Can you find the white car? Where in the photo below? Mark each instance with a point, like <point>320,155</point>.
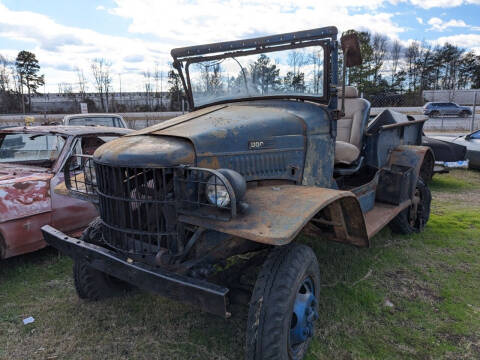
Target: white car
<point>102,119</point>
<point>472,142</point>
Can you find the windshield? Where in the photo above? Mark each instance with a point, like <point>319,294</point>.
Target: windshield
<point>38,149</point>
<point>99,120</point>
<point>292,72</point>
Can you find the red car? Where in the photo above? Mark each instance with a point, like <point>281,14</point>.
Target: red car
<point>31,163</point>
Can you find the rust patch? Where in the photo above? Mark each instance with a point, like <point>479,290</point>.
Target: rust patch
<point>210,162</point>
<point>24,197</point>
<point>22,186</point>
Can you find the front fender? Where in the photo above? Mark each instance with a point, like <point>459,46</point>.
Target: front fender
<point>276,214</point>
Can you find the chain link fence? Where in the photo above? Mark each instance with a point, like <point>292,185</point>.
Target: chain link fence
<point>464,118</point>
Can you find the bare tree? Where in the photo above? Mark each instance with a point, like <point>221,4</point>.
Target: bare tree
<point>82,82</point>
<point>316,59</point>
<point>395,54</point>
<point>101,73</point>
<point>158,76</point>
<point>296,60</point>
<point>148,87</point>
<point>65,88</point>
<point>4,73</point>
<point>411,57</point>
<point>380,48</point>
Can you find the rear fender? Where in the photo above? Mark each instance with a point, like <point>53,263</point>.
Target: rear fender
<point>410,156</point>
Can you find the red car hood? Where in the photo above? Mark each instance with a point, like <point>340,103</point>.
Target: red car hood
<point>24,191</point>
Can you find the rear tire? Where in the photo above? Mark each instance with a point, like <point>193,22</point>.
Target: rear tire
<point>283,307</point>
<point>427,169</point>
<point>90,283</point>
<point>434,113</point>
<point>415,217</point>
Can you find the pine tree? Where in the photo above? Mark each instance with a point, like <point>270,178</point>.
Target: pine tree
<point>28,68</point>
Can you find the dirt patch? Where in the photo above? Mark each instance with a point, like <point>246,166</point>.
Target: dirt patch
<point>465,197</point>
<point>407,286</point>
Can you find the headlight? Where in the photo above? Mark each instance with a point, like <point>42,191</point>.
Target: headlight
<point>217,194</point>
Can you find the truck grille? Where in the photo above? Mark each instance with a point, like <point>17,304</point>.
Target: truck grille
<point>137,208</point>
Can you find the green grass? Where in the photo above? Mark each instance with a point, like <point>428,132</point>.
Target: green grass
<point>432,279</point>
<point>456,181</point>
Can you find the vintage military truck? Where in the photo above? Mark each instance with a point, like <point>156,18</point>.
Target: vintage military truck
<point>267,152</point>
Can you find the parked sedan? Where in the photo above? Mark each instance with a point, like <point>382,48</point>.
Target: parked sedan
<point>435,109</point>
<point>31,163</point>
<point>472,142</point>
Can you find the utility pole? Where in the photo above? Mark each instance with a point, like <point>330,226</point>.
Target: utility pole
<point>21,93</point>
<point>472,125</point>
<point>120,81</point>
<point>44,103</point>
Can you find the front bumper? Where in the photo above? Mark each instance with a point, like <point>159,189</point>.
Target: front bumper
<point>208,297</point>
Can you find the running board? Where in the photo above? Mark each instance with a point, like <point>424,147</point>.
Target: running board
<point>381,215</point>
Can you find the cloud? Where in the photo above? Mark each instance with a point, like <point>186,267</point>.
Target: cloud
<point>133,58</point>
<point>440,25</point>
<point>60,48</point>
<point>428,4</point>
<point>214,20</point>
<point>469,41</point>
<point>155,28</point>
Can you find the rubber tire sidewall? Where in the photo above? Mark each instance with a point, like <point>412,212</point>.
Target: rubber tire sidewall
<point>274,294</point>
<point>427,168</point>
<point>401,224</point>
<point>92,284</point>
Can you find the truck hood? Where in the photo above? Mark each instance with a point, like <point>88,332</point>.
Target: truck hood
<point>216,130</point>
<point>23,193</point>
<point>10,172</point>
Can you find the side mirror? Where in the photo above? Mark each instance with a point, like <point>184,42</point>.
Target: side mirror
<point>468,137</point>
<point>351,48</point>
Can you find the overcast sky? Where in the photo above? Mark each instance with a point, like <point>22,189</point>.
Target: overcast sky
<point>136,34</point>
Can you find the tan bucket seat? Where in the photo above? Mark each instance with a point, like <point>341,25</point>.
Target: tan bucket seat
<point>351,127</point>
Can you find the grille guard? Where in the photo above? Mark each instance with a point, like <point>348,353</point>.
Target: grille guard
<point>189,187</point>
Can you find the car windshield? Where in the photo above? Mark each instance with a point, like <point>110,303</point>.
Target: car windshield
<point>37,149</point>
<point>475,135</point>
<point>290,73</point>
<point>97,120</point>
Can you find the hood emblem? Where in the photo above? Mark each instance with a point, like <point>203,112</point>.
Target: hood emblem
<point>260,144</point>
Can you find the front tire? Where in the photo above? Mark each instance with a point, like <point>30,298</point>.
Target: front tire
<point>283,307</point>
<point>90,283</point>
<point>415,217</point>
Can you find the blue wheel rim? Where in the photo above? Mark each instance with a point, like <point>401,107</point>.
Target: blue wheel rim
<point>305,313</point>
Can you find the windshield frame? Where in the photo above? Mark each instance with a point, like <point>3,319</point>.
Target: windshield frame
<point>324,37</point>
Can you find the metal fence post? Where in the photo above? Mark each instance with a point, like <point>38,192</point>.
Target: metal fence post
<point>472,125</point>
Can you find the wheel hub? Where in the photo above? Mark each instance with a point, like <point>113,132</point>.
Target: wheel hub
<point>305,313</point>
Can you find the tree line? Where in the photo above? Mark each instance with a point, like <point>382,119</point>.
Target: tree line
<point>390,68</point>
<point>387,68</point>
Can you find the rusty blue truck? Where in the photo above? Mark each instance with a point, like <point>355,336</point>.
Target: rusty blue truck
<point>275,144</point>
